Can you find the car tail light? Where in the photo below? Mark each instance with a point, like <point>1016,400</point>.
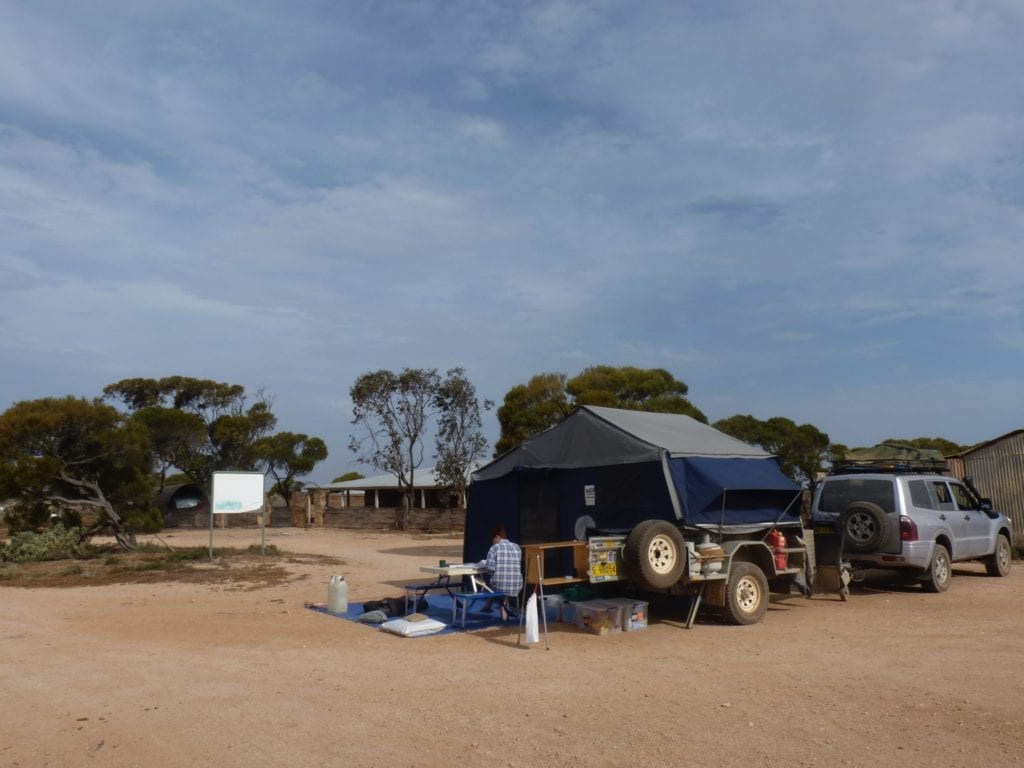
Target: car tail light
<point>908,529</point>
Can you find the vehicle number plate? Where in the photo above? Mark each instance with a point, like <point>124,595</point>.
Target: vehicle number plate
<point>824,529</point>
<point>604,570</point>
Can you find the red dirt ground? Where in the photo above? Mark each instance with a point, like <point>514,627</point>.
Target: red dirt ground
<point>236,674</point>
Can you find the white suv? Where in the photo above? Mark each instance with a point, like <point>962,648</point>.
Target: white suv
<point>911,521</point>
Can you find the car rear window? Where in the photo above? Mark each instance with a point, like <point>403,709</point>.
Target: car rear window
<point>837,495</point>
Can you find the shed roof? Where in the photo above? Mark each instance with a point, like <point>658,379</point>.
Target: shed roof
<point>425,477</point>
<point>987,443</point>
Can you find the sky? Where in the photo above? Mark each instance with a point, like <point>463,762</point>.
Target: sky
<point>809,210</point>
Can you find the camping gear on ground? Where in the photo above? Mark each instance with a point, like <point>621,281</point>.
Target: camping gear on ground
<point>393,606</point>
<point>553,607</point>
<point>599,617</point>
<point>634,612</point>
<point>532,621</point>
<point>472,573</point>
<point>413,625</point>
<point>337,594</point>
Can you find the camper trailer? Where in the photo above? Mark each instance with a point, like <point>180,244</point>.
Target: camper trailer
<point>661,500</point>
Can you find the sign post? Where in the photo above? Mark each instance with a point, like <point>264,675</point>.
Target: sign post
<point>235,493</point>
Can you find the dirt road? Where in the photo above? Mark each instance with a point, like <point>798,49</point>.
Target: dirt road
<point>174,674</point>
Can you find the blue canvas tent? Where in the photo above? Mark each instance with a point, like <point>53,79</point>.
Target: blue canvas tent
<point>607,469</point>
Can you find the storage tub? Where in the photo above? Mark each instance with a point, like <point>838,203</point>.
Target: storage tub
<point>634,613</point>
<point>599,617</point>
<point>553,607</point>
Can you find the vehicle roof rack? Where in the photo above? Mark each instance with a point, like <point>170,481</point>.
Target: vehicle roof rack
<point>890,466</point>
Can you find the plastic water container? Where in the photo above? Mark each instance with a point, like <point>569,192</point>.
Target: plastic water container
<point>337,594</point>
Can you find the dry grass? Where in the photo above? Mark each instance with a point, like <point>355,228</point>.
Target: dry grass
<point>100,566</point>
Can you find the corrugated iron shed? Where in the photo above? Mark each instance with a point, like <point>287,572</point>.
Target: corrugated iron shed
<point>997,469</point>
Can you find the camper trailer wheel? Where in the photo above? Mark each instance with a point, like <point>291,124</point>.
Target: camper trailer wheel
<point>654,554</point>
<point>746,594</point>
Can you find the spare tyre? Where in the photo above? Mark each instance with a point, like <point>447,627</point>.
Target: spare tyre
<point>865,527</point>
<point>654,554</point>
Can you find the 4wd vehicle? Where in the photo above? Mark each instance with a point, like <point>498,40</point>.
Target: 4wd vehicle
<point>908,516</point>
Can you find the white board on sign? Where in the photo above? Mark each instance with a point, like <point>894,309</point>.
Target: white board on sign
<point>236,492</point>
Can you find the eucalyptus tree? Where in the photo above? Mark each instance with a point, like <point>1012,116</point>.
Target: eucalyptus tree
<point>394,414</point>
<point>547,398</point>
<point>64,457</point>
<point>199,426</point>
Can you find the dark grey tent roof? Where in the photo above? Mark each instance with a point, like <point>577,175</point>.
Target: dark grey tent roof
<point>596,436</point>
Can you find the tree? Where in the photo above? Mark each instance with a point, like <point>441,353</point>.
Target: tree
<point>801,450</point>
<point>549,397</point>
<point>286,456</point>
<point>531,408</point>
<point>395,412</point>
<point>61,456</point>
<point>635,389</point>
<point>392,412</point>
<point>459,440</point>
<point>198,425</point>
<point>348,476</point>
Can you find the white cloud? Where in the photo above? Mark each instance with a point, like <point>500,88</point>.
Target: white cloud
<point>781,204</point>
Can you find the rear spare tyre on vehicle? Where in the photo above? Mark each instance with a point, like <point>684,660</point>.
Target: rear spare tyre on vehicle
<point>746,594</point>
<point>654,554</point>
<point>865,527</point>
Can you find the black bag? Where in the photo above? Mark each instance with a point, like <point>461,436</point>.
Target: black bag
<point>392,606</point>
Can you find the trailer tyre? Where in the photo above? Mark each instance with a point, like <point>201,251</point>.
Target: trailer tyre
<point>746,594</point>
<point>654,554</point>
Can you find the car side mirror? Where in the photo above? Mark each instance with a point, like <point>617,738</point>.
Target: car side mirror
<point>985,505</point>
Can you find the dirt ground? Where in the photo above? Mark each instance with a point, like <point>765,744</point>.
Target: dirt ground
<point>200,674</point>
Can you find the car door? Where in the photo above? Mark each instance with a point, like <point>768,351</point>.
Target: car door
<point>977,539</point>
<point>931,506</point>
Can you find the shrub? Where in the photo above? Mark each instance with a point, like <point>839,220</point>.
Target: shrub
<point>269,549</point>
<point>56,543</point>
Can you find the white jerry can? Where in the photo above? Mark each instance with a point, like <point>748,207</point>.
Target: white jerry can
<point>337,594</point>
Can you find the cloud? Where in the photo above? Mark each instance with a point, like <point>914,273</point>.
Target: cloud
<point>782,205</point>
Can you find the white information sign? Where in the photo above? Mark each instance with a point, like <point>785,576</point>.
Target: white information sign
<point>235,492</point>
<point>589,495</point>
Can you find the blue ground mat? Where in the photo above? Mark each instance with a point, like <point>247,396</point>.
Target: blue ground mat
<point>439,606</point>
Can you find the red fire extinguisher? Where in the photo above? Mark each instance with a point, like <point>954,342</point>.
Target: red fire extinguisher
<point>776,539</point>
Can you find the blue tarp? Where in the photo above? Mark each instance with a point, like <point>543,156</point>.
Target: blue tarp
<point>734,491</point>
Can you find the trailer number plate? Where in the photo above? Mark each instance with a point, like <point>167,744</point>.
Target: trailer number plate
<point>604,570</point>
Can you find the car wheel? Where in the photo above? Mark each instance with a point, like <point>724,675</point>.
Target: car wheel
<point>865,527</point>
<point>940,572</point>
<point>654,554</point>
<point>746,594</point>
<point>999,563</point>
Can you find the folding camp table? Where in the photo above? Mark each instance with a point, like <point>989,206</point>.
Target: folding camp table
<point>445,574</point>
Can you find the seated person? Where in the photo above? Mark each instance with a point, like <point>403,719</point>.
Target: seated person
<point>504,568</point>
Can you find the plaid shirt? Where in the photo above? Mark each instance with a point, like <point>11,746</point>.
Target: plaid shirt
<point>504,564</point>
